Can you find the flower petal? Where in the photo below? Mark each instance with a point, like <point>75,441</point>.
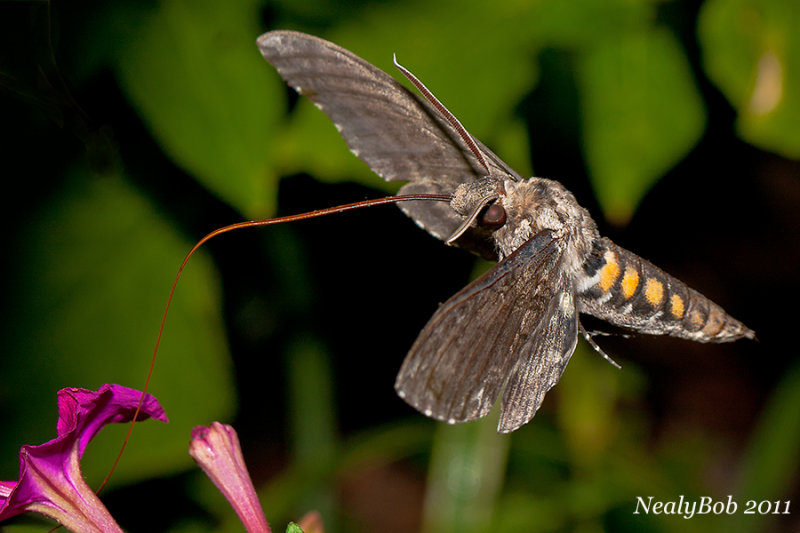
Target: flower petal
<point>86,412</point>
<point>216,449</point>
<point>50,481</point>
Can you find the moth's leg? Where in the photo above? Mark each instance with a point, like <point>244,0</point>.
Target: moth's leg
<point>589,336</point>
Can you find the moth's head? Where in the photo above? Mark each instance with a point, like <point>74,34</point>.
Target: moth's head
<point>476,200</point>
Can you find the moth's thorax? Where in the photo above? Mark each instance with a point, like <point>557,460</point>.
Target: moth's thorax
<point>541,204</point>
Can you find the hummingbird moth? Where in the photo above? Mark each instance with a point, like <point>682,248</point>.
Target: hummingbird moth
<point>512,331</point>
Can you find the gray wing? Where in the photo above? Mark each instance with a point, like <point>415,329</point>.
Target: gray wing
<point>398,134</point>
<point>500,332</point>
<point>545,357</point>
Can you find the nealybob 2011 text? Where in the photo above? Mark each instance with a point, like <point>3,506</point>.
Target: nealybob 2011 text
<point>706,505</point>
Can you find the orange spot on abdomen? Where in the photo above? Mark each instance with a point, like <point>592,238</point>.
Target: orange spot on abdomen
<point>654,291</point>
<point>629,282</point>
<point>609,274</point>
<point>677,307</point>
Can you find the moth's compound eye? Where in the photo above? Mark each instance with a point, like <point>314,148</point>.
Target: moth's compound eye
<point>493,217</point>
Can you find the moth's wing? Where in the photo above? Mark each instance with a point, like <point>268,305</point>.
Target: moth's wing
<point>480,340</point>
<point>545,356</point>
<point>397,133</point>
<point>394,131</point>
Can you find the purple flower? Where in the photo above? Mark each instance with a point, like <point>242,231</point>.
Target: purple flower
<point>50,480</point>
<point>216,449</point>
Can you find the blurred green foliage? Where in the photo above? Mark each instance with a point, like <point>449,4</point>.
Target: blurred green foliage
<point>190,72</point>
<point>750,50</point>
<point>94,256</point>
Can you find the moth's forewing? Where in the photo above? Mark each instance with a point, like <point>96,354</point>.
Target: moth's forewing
<point>398,134</point>
<point>472,345</point>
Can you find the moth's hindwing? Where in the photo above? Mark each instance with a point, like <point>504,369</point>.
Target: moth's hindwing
<point>486,336</point>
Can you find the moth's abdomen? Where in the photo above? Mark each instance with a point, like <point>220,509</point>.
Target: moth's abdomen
<point>622,288</point>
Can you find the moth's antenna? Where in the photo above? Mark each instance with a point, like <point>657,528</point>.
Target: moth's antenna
<point>462,132</point>
<point>242,225</point>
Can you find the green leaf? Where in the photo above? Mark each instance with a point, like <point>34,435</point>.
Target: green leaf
<point>92,274</point>
<point>641,115</point>
<point>750,50</point>
<point>581,23</point>
<point>293,528</point>
<point>196,77</point>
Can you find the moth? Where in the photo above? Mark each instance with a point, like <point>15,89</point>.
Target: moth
<point>512,331</point>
